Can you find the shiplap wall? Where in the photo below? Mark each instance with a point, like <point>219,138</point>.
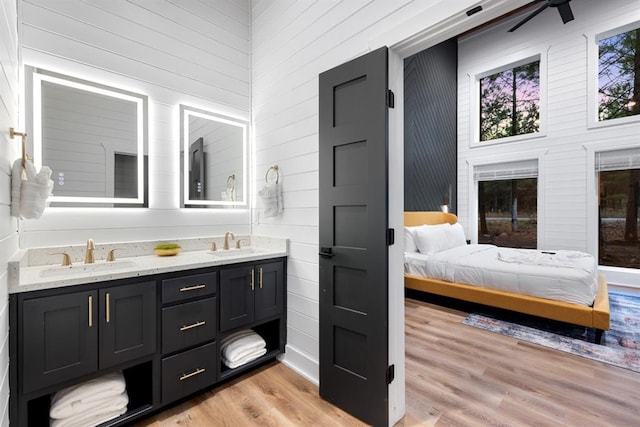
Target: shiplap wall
<point>176,52</point>
<point>9,150</point>
<point>564,169</point>
<point>294,41</point>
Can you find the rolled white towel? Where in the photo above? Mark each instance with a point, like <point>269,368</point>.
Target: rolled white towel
<point>67,401</point>
<point>246,358</point>
<point>109,409</point>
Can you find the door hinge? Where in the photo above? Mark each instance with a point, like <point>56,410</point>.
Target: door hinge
<point>391,236</point>
<point>391,373</point>
<point>391,103</point>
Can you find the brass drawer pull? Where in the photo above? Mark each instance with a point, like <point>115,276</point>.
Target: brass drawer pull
<point>252,280</point>
<point>90,311</point>
<point>194,373</point>
<point>108,308</point>
<point>260,277</point>
<point>193,325</point>
<point>192,288</point>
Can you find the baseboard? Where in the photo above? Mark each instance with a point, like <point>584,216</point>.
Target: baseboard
<point>301,363</point>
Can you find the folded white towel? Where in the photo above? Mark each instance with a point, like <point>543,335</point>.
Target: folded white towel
<point>245,359</point>
<point>237,348</point>
<point>29,190</point>
<point>111,408</point>
<point>271,195</point>
<point>71,400</point>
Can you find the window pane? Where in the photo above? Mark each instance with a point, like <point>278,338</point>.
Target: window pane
<point>619,75</point>
<point>618,231</point>
<point>510,102</point>
<point>508,213</point>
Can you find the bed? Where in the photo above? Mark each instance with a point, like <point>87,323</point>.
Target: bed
<point>582,312</point>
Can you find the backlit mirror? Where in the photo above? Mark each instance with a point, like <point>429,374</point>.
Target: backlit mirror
<point>92,136</point>
<point>214,153</point>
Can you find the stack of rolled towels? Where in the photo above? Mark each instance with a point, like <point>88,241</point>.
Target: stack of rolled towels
<point>90,403</point>
<point>242,347</point>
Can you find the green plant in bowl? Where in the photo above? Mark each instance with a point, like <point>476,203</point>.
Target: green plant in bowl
<point>167,249</point>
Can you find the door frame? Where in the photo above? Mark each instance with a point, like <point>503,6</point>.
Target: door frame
<point>404,40</point>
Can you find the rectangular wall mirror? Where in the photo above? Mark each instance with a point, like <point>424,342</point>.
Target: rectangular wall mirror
<point>92,136</point>
<point>214,159</point>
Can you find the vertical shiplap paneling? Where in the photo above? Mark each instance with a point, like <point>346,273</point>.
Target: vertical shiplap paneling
<point>9,149</point>
<point>294,41</point>
<point>565,173</point>
<point>175,52</point>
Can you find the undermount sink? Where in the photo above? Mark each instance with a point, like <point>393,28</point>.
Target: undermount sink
<point>230,253</point>
<point>101,267</point>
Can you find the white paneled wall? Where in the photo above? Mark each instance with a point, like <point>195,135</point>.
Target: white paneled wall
<point>9,150</point>
<point>565,134</point>
<point>188,51</point>
<point>294,41</point>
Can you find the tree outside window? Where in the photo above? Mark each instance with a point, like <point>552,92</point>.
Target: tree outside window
<point>508,213</point>
<point>510,102</point>
<point>618,212</point>
<point>619,75</point>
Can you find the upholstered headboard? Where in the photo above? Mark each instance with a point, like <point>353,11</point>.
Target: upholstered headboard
<point>412,219</point>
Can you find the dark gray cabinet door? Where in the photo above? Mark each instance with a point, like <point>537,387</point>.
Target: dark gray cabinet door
<point>269,298</point>
<point>236,297</point>
<point>127,323</point>
<point>353,237</point>
<point>59,340</point>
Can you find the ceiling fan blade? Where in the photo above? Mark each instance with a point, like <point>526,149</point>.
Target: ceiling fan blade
<point>565,12</point>
<point>528,18</point>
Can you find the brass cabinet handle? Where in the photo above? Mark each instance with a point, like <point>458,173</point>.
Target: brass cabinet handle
<point>108,307</point>
<point>193,325</point>
<point>260,277</point>
<point>194,373</point>
<point>90,311</point>
<point>192,288</point>
<point>252,280</point>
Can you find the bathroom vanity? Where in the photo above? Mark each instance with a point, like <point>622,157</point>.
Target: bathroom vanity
<point>159,320</point>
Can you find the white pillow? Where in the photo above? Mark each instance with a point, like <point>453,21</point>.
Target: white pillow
<point>431,238</point>
<point>455,236</point>
<point>409,241</point>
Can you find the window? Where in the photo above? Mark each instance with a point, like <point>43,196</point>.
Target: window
<point>510,102</point>
<point>508,204</point>
<point>619,75</point>
<point>619,190</point>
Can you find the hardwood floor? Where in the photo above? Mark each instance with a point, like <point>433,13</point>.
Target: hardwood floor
<point>456,375</point>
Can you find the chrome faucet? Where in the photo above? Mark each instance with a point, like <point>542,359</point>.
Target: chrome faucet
<point>88,257</point>
<point>226,240</point>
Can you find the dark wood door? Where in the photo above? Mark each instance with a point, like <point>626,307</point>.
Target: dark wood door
<point>60,339</point>
<point>127,323</point>
<point>237,286</point>
<point>269,289</point>
<point>196,170</point>
<point>353,237</point>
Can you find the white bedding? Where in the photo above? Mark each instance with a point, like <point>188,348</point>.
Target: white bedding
<point>567,276</point>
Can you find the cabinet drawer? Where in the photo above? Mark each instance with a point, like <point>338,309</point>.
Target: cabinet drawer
<point>188,324</point>
<point>187,287</point>
<point>188,372</point>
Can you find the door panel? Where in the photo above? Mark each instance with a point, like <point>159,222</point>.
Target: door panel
<point>353,237</point>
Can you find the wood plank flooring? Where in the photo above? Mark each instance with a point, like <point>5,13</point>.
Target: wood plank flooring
<point>457,375</point>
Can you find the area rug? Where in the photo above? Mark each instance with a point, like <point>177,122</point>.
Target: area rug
<point>620,345</point>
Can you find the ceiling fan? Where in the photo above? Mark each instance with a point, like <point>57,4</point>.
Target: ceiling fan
<point>563,8</point>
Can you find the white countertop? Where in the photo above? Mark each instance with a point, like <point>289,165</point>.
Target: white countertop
<point>28,270</point>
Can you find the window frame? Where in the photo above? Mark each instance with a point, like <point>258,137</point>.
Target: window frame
<point>593,85</point>
<point>524,57</point>
<point>537,155</point>
<point>625,275</point>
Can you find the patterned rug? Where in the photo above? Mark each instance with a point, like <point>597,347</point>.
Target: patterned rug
<point>621,344</point>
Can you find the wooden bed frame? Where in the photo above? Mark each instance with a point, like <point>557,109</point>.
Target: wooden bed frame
<point>596,316</point>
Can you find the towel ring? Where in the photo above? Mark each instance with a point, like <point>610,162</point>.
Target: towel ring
<point>275,169</point>
<point>231,179</point>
